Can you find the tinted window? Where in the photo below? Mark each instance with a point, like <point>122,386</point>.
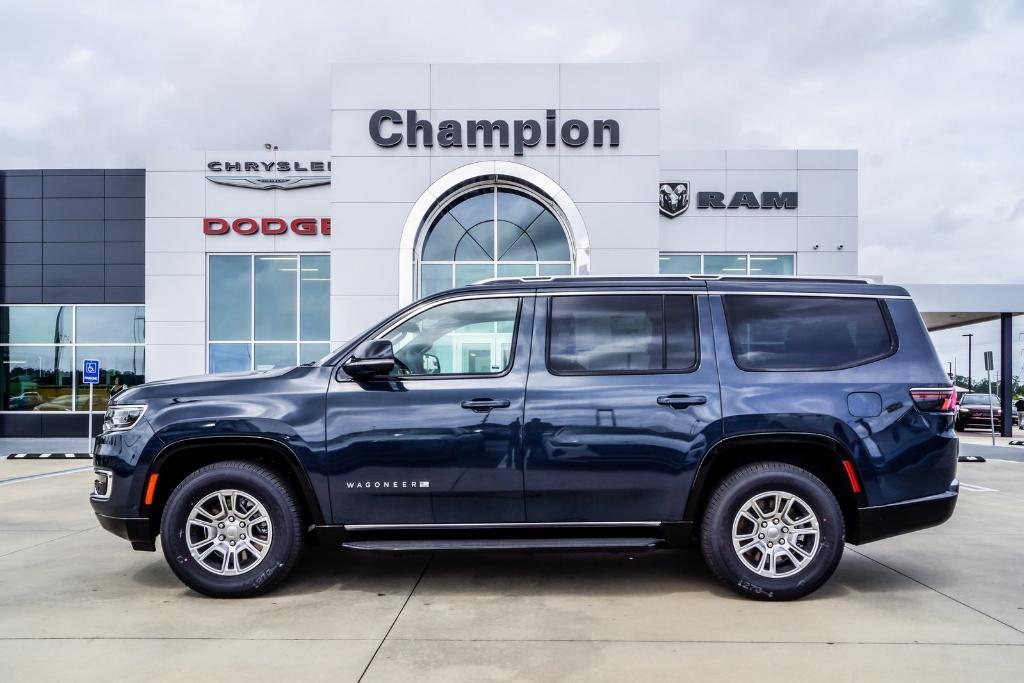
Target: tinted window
<point>805,333</point>
<point>469,337</point>
<point>629,333</point>
<point>979,400</point>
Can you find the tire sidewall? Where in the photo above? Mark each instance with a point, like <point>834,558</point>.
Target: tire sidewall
<point>196,487</point>
<point>830,537</point>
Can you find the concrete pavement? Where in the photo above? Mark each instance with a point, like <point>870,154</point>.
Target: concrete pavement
<point>77,604</point>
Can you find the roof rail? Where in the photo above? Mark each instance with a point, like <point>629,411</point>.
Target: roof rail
<point>556,278</point>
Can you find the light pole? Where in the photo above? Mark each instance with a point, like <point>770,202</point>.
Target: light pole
<point>970,338</point>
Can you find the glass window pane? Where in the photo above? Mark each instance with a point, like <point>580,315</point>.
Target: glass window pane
<point>442,239</point>
<point>111,324</point>
<point>516,270</point>
<point>36,378</point>
<point>435,277</point>
<point>514,244</point>
<point>518,209</point>
<point>275,297</point>
<point>555,269</point>
<point>230,358</point>
<point>35,324</point>
<point>725,264</point>
<point>680,332</point>
<point>461,337</point>
<point>470,273</point>
<point>120,367</point>
<point>311,352</point>
<point>269,356</point>
<point>774,264</point>
<point>805,333</point>
<point>474,209</point>
<point>230,298</point>
<point>477,244</point>
<point>315,297</point>
<point>605,334</point>
<point>549,238</point>
<point>679,264</point>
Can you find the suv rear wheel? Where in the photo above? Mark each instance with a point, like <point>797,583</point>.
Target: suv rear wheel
<point>772,531</point>
<point>232,529</point>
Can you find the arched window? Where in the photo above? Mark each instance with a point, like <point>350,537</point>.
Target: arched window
<point>495,231</point>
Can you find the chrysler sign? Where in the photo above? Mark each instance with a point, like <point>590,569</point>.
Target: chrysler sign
<point>271,175</point>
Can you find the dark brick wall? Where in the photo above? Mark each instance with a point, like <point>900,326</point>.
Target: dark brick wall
<point>72,236</point>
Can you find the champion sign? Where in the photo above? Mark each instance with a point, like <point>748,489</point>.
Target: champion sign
<point>267,226</point>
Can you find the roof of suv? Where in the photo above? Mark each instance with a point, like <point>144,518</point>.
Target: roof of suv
<point>710,283</point>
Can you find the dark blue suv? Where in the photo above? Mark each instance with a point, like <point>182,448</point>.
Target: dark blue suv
<point>767,420</point>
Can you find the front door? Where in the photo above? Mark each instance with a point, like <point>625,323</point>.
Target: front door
<point>623,402</point>
<point>439,440</point>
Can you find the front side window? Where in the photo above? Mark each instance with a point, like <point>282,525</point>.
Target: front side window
<point>806,333</point>
<point>469,337</point>
<point>268,310</point>
<point>610,334</point>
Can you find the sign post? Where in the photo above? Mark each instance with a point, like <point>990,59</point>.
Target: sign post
<point>90,376</point>
<point>991,402</point>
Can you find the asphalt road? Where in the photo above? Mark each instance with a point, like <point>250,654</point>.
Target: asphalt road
<point>77,604</point>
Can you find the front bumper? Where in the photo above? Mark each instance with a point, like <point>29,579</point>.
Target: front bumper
<point>883,521</point>
<point>134,529</point>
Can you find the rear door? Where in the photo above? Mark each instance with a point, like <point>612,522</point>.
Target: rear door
<point>621,405</point>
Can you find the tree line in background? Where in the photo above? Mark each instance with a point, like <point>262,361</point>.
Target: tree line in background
<point>981,386</point>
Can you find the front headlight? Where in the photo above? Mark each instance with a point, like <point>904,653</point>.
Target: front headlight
<point>121,418</point>
<point>964,411</point>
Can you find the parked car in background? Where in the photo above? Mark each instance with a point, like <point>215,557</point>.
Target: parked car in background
<point>978,411</point>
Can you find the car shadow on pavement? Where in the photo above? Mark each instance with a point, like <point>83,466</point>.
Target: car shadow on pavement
<point>664,572</point>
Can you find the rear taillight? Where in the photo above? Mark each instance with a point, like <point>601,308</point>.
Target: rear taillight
<point>940,400</point>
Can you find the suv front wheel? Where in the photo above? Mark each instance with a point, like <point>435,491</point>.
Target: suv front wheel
<point>772,531</point>
<point>232,529</point>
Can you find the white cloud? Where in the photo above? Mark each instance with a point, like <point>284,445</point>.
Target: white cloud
<point>927,91</point>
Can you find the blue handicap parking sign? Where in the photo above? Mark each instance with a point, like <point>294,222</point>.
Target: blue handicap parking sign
<point>90,371</point>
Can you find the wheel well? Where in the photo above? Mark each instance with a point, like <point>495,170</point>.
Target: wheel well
<point>177,462</point>
<point>824,459</point>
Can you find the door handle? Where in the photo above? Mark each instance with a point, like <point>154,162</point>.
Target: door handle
<point>482,405</point>
<point>681,401</point>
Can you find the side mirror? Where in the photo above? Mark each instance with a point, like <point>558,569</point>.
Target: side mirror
<point>371,359</point>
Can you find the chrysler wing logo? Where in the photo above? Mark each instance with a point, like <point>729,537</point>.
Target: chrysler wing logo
<point>673,198</point>
<point>271,183</point>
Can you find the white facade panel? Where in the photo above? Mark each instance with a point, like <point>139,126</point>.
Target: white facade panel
<point>697,234</point>
<point>379,179</point>
<point>623,261</point>
<point>167,361</point>
<point>174,234</point>
<point>494,86</point>
<point>608,179</point>
<point>176,298</point>
<point>175,263</point>
<point>442,165</point>
<point>175,194</point>
<point>828,233</point>
<point>761,159</point>
<point>602,86</point>
<point>828,193</point>
<point>761,233</point>
<point>694,160</point>
<point>830,159</point>
<point>364,272</point>
<point>620,226</point>
<point>827,263</point>
<point>353,313</point>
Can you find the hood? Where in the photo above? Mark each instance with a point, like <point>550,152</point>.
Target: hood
<point>205,385</point>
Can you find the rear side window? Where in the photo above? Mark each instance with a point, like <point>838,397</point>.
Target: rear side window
<point>807,333</point>
<point>598,334</point>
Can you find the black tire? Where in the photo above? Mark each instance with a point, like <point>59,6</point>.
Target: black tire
<point>263,485</point>
<point>738,488</point>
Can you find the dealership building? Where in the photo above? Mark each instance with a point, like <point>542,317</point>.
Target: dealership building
<point>435,176</point>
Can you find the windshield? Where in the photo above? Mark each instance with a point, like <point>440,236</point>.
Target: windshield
<point>979,400</point>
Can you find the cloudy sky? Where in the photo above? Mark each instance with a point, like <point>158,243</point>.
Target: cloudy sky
<point>929,92</point>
